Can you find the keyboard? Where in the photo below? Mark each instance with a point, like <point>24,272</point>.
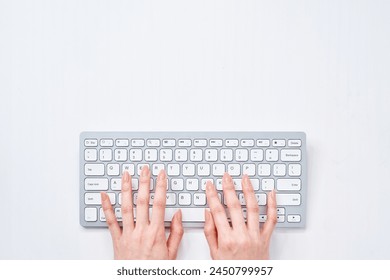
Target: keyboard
<point>272,160</point>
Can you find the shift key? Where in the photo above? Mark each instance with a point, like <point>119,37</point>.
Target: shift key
<point>288,199</point>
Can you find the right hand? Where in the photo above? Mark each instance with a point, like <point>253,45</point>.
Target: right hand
<point>241,240</point>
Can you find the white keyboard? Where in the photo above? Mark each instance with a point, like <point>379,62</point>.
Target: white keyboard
<point>272,160</point>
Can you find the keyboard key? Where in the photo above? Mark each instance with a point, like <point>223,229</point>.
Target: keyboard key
<point>192,184</point>
<point>137,142</point>
<point>231,143</point>
<point>90,142</point>
<point>105,155</point>
<point>113,169</point>
<point>90,155</point>
<point>203,169</point>
<point>294,170</point>
<point>94,169</point>
<point>279,170</point>
<point>156,168</point>
<point>255,184</point>
<point>215,142</point>
<point>280,219</point>
<point>166,155</point>
<point>102,218</point>
<point>120,154</point>
<point>218,169</point>
<point>237,184</point>
<point>199,199</point>
<point>226,154</point>
<point>211,154</point>
<point>293,218</point>
<point>278,142</point>
<point>290,155</point>
<point>267,184</point>
<point>271,155</point>
<point>256,155</point>
<point>90,214</point>
<point>184,142</point>
<point>234,169</point>
<point>247,142</point>
<point>153,142</point>
<point>95,198</point>
<point>188,214</point>
<point>188,169</point>
<point>280,211</point>
<point>294,143</point>
<point>150,154</point>
<point>204,182</point>
<point>262,143</point>
<point>129,167</point>
<point>122,142</point>
<point>177,184</point>
<point>171,199</point>
<point>169,142</point>
<point>288,199</point>
<point>140,166</point>
<point>184,199</point>
<point>200,142</point>
<point>116,184</point>
<point>196,155</point>
<point>135,154</point>
<point>181,155</point>
<point>173,169</point>
<point>106,142</point>
<point>241,155</point>
<point>264,170</point>
<point>96,184</point>
<point>288,184</point>
<point>261,199</point>
<point>249,169</point>
<point>118,214</point>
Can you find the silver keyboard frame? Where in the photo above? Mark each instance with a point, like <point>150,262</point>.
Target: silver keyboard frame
<point>300,210</point>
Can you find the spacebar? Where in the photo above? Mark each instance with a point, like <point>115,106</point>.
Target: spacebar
<point>188,214</point>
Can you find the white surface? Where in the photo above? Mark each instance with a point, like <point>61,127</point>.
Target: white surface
<point>317,66</point>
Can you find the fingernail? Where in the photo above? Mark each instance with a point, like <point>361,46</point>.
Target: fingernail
<point>145,170</point>
<point>208,185</point>
<point>126,176</point>
<point>161,175</point>
<point>179,215</point>
<point>227,178</point>
<point>206,215</point>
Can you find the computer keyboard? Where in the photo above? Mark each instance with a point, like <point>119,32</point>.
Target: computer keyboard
<point>272,160</point>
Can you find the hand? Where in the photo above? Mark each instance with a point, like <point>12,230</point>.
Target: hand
<point>144,239</point>
<point>241,240</point>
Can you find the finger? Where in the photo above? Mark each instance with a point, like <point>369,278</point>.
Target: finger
<point>112,223</point>
<point>143,198</point>
<point>211,233</point>
<point>175,236</point>
<point>269,225</point>
<point>127,204</point>
<point>217,210</point>
<point>160,198</point>
<point>232,202</point>
<point>252,207</point>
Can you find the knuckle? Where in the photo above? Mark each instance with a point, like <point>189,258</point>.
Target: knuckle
<point>158,203</point>
<point>111,221</point>
<point>253,209</point>
<point>127,210</point>
<point>142,201</point>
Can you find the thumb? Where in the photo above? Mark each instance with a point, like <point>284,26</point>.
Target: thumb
<point>175,235</point>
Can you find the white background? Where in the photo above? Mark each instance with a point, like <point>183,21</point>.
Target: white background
<point>316,66</point>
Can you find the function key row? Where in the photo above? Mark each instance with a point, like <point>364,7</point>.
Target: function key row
<point>123,142</point>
